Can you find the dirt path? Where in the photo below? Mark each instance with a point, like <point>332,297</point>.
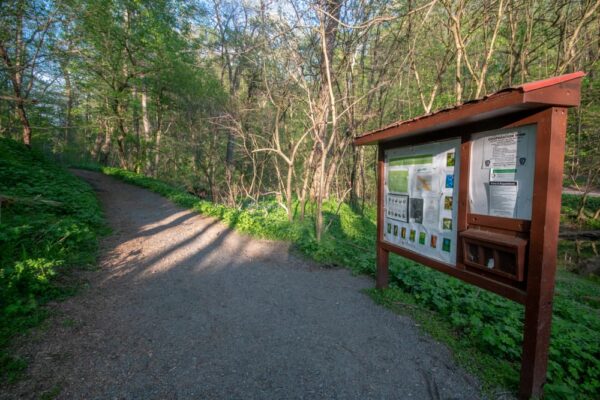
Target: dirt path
<point>184,308</point>
<point>572,190</point>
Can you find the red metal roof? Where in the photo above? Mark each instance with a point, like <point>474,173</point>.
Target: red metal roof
<point>528,87</point>
<point>561,90</point>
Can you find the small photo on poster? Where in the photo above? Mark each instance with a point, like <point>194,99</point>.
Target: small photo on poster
<point>397,207</point>
<point>449,182</point>
<point>396,230</point>
<point>422,237</point>
<point>389,228</point>
<point>398,181</point>
<point>447,224</point>
<point>424,183</point>
<point>450,159</point>
<point>412,235</point>
<point>433,241</point>
<point>448,203</point>
<point>403,233</point>
<point>416,210</point>
<point>446,245</point>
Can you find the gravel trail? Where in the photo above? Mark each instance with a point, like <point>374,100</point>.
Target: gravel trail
<point>185,308</point>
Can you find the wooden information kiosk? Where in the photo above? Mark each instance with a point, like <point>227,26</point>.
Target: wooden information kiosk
<point>475,191</point>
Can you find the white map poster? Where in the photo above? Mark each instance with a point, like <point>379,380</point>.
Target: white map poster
<point>421,185</point>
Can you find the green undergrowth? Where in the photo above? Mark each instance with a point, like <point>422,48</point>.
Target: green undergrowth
<point>49,222</point>
<point>570,207</point>
<point>483,329</point>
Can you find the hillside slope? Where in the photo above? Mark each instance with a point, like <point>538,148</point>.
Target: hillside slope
<point>49,222</point>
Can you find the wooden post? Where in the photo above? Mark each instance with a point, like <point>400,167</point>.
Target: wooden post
<point>545,220</point>
<point>382,268</point>
<point>382,276</point>
<point>463,190</point>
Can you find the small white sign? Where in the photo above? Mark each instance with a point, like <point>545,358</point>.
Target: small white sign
<point>503,174</point>
<point>503,198</point>
<point>504,150</point>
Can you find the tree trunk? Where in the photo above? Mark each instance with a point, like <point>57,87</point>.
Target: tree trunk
<point>306,182</point>
<point>69,105</point>
<point>326,103</point>
<point>581,208</point>
<point>16,79</point>
<point>157,153</point>
<point>319,200</point>
<point>106,147</point>
<point>288,191</point>
<point>354,186</point>
<point>147,134</point>
<point>97,146</point>
<point>22,114</point>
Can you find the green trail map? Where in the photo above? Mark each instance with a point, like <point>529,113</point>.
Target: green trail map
<point>398,181</point>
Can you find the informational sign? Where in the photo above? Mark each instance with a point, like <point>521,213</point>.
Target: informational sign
<point>510,144</point>
<point>420,210</point>
<point>503,150</point>
<point>502,168</point>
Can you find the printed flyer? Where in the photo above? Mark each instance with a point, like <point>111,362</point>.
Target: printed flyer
<point>421,184</point>
<point>502,171</point>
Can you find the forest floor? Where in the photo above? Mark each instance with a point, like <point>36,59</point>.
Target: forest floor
<point>184,307</point>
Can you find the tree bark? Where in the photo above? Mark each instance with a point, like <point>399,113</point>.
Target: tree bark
<point>16,79</point>
<point>69,105</point>
<point>326,103</point>
<point>146,132</point>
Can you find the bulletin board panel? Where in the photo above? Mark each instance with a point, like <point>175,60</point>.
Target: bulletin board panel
<point>502,172</point>
<point>492,179</point>
<point>420,185</point>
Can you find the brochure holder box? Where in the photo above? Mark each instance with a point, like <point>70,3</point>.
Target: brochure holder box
<point>497,253</point>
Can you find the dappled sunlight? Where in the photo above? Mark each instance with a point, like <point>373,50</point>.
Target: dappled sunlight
<point>152,254</point>
<point>169,222</point>
<point>184,241</point>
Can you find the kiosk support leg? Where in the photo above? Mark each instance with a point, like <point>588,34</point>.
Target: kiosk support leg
<point>383,257</point>
<point>538,315</point>
<point>382,254</point>
<point>545,224</point>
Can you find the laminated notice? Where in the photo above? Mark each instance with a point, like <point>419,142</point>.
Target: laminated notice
<point>503,198</point>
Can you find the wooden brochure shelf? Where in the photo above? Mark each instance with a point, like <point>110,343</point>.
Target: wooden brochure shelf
<point>497,253</point>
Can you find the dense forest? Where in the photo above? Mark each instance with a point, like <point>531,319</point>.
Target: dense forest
<point>241,100</point>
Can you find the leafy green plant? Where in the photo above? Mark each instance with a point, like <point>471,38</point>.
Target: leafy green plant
<point>50,221</point>
<point>570,206</point>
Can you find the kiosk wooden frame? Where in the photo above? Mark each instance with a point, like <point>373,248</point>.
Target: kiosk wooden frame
<point>543,103</point>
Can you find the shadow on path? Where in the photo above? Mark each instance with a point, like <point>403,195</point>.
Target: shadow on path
<point>185,308</point>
